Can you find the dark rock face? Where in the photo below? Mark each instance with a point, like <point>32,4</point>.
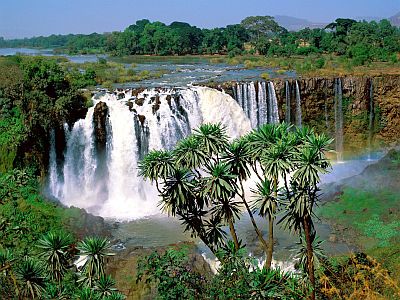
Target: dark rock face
<point>136,92</point>
<point>142,118</point>
<point>100,116</point>
<point>156,105</point>
<point>139,101</point>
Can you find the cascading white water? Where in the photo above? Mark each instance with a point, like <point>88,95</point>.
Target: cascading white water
<point>339,119</point>
<point>262,103</point>
<point>155,119</point>
<point>253,105</point>
<point>274,113</point>
<point>287,102</point>
<point>298,106</point>
<point>80,187</point>
<point>53,186</point>
<point>260,106</point>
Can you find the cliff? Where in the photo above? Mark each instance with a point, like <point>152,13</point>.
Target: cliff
<point>370,106</point>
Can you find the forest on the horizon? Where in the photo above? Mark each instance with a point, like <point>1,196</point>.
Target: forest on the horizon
<point>254,35</point>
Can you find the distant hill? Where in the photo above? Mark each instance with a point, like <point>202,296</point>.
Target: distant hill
<point>395,20</point>
<point>294,24</point>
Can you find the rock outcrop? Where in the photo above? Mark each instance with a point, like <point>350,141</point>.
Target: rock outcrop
<point>100,116</point>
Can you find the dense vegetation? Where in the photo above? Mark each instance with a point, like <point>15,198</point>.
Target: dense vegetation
<point>361,41</point>
<point>36,95</point>
<point>38,247</point>
<point>37,240</point>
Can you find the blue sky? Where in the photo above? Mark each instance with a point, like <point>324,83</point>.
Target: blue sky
<point>25,18</point>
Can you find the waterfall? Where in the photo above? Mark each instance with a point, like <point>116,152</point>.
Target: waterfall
<point>274,113</point>
<point>154,119</point>
<point>339,119</point>
<point>53,186</point>
<point>80,187</point>
<point>371,117</point>
<point>287,102</point>
<point>260,105</point>
<point>298,106</point>
<point>253,105</point>
<point>245,99</point>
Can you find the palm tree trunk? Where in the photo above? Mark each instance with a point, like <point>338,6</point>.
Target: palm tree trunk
<point>258,232</point>
<point>268,262</point>
<point>233,233</point>
<point>310,260</point>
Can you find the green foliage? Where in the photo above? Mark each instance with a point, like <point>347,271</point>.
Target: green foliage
<point>12,134</point>
<point>362,41</point>
<point>174,279</point>
<point>383,232</point>
<point>32,280</point>
<point>36,94</point>
<point>201,192</point>
<point>53,250</point>
<point>95,250</point>
<point>238,277</point>
<point>359,210</point>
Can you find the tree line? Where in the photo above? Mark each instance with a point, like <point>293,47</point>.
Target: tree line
<point>258,34</point>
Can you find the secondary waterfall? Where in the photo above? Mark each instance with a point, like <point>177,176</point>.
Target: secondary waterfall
<point>298,106</point>
<point>339,119</point>
<point>371,117</point>
<point>108,185</point>
<point>273,104</point>
<point>259,104</point>
<point>287,102</point>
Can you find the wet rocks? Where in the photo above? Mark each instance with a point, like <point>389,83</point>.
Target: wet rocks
<point>100,116</point>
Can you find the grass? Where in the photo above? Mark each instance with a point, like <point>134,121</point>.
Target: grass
<point>108,73</point>
<point>374,217</point>
<point>368,213</point>
<point>325,65</point>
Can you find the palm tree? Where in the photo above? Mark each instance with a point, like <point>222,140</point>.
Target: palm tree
<point>214,231</point>
<point>178,191</point>
<point>105,286</point>
<point>238,158</point>
<point>30,276</point>
<point>310,162</point>
<point>189,154</point>
<point>318,253</point>
<point>258,141</point>
<point>96,250</point>
<point>220,186</point>
<point>157,164</point>
<point>212,138</point>
<point>266,203</point>
<point>276,161</point>
<point>53,249</point>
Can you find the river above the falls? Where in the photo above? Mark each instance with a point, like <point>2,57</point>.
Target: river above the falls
<point>176,71</point>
